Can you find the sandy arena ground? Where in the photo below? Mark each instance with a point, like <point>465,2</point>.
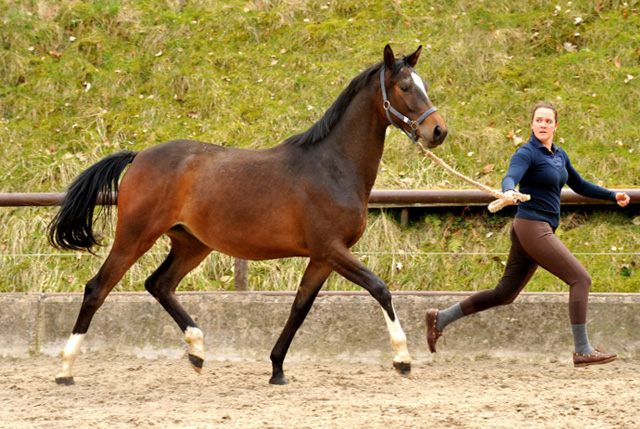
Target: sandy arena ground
<point>123,392</point>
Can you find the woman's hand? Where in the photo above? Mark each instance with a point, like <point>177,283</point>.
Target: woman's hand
<point>512,199</point>
<point>622,198</point>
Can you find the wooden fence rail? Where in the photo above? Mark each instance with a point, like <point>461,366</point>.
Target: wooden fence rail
<point>401,198</point>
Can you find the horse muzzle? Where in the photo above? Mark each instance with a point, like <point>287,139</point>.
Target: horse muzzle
<point>435,136</point>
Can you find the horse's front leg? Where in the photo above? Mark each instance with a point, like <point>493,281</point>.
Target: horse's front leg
<point>345,264</point>
<point>312,281</point>
<point>402,359</point>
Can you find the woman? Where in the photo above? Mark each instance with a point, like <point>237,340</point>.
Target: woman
<point>541,169</point>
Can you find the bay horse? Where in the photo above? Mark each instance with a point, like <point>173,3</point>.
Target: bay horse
<point>305,197</point>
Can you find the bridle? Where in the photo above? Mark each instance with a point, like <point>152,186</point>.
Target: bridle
<point>386,104</point>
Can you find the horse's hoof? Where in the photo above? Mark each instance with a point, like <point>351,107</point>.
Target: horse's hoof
<point>196,363</point>
<point>65,381</point>
<point>279,381</point>
<point>402,368</point>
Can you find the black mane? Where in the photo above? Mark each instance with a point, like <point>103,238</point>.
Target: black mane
<point>321,129</point>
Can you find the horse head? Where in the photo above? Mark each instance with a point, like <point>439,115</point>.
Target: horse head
<point>406,101</point>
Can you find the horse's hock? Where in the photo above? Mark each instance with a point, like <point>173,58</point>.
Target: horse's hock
<point>340,326</point>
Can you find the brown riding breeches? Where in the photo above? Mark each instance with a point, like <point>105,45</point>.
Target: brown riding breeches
<point>533,244</point>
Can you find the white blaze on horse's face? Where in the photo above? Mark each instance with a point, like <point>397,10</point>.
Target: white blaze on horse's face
<point>419,83</point>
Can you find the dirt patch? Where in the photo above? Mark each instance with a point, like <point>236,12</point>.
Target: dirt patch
<point>121,391</point>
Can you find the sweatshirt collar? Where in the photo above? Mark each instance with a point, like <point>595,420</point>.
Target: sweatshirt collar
<point>538,144</point>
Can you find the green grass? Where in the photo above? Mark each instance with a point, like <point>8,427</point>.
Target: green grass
<point>79,81</point>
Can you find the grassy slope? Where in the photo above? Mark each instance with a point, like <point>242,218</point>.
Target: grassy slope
<point>80,81</point>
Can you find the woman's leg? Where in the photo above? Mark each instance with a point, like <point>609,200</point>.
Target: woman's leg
<point>551,253</point>
<point>516,275</point>
<point>536,244</point>
<point>544,247</point>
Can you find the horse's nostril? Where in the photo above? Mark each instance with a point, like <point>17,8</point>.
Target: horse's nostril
<point>437,132</point>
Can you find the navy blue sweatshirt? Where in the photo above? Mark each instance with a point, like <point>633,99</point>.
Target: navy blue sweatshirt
<point>542,175</point>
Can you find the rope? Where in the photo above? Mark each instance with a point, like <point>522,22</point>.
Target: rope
<point>503,199</point>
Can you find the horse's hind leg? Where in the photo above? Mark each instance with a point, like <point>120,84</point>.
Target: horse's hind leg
<point>312,280</point>
<point>186,253</point>
<point>120,259</point>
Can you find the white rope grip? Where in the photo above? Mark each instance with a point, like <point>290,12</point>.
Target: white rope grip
<point>502,199</point>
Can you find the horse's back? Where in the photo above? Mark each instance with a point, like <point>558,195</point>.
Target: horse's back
<point>179,168</point>
<point>176,152</point>
<point>223,196</point>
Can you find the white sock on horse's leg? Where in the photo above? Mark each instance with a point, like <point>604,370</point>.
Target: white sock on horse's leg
<point>402,360</point>
<point>69,355</point>
<point>195,338</point>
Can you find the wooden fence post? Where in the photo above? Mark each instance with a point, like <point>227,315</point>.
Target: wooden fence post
<point>241,269</point>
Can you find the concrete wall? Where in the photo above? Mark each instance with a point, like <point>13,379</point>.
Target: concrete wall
<point>345,326</point>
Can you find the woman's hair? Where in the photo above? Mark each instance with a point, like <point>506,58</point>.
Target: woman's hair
<point>546,106</point>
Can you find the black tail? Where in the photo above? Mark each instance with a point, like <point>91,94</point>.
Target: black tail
<point>72,226</point>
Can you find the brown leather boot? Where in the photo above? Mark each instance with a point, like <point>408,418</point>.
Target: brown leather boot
<point>433,334</point>
<point>598,357</point>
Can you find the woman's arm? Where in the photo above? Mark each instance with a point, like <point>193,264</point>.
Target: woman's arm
<point>588,189</point>
<point>518,166</point>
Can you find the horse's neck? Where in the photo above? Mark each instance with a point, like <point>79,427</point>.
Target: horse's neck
<point>359,136</point>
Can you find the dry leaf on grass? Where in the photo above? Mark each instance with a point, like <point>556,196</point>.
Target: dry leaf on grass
<point>487,168</point>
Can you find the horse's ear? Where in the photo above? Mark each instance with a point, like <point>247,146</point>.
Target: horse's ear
<point>412,59</point>
<point>389,58</point>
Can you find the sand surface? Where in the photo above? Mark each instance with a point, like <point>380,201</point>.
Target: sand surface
<point>122,392</point>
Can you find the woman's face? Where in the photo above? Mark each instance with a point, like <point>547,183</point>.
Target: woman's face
<point>544,124</point>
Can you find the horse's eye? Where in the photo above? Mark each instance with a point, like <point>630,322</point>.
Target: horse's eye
<point>404,88</point>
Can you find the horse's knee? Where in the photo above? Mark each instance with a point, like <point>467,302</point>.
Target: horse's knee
<point>379,290</point>
<point>381,293</point>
